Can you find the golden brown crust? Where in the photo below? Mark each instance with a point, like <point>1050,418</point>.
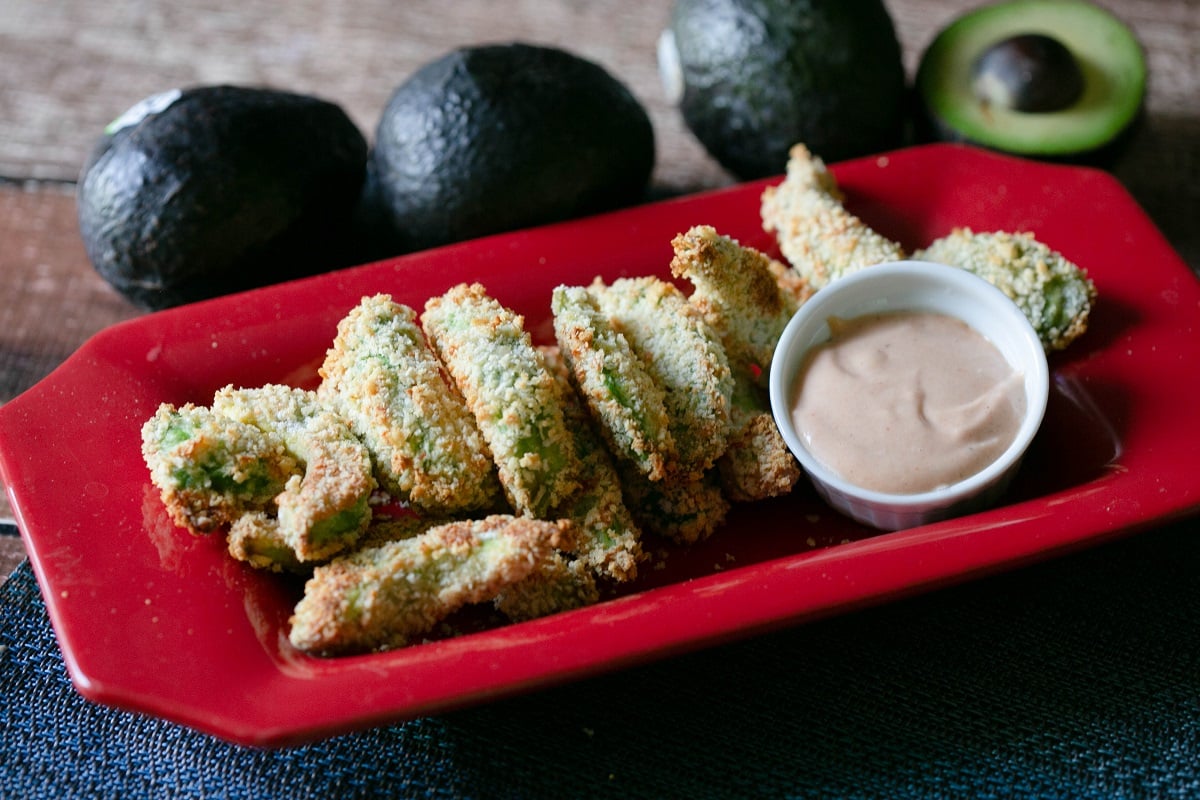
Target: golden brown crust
<point>557,584</point>
<point>738,292</point>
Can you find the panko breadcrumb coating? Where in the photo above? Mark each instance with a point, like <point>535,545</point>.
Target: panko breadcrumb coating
<point>383,378</point>
<point>686,359</point>
<point>817,235</point>
<point>491,358</point>
<point>558,584</point>
<point>738,291</point>
<point>1055,294</point>
<point>758,463</point>
<point>255,538</point>
<point>384,530</point>
<point>382,597</point>
<point>326,510</point>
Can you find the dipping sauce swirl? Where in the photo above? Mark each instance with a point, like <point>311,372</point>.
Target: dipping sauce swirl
<point>906,402</point>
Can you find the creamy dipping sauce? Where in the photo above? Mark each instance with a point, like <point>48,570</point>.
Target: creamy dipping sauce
<point>906,402</point>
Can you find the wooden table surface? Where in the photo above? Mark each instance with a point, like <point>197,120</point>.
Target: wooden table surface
<point>70,66</point>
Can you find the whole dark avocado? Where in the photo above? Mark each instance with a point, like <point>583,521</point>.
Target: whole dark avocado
<point>199,192</point>
<point>754,77</point>
<point>1060,80</point>
<point>497,137</point>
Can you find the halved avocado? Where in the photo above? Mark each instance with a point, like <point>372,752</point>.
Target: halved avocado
<point>1054,79</point>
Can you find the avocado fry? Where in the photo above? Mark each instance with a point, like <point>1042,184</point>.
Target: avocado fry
<point>737,291</point>
<point>684,356</point>
<point>209,470</point>
<point>685,510</point>
<point>381,376</point>
<point>382,597</point>
<point>516,402</point>
<point>325,510</point>
<point>1053,293</point>
<point>818,236</point>
<point>607,538</point>
<point>757,464</point>
<point>613,381</point>
<point>255,537</point>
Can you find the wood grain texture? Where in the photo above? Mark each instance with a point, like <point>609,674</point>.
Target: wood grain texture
<point>71,66</point>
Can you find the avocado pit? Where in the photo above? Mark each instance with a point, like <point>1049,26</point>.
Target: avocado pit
<point>1029,72</point>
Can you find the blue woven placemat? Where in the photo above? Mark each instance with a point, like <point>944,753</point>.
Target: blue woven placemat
<point>1077,678</point>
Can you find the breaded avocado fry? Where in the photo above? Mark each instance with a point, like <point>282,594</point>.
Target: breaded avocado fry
<point>382,597</point>
<point>1054,293</point>
<point>255,538</point>
<point>516,402</point>
<point>383,378</point>
<point>737,292</point>
<point>607,538</point>
<point>740,295</point>
<point>326,510</point>
<point>818,236</point>
<point>686,511</point>
<point>757,464</point>
<point>613,381</point>
<point>209,470</point>
<point>686,359</point>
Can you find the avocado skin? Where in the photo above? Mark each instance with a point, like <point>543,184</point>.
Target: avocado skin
<point>498,137</point>
<point>762,75</point>
<point>227,188</point>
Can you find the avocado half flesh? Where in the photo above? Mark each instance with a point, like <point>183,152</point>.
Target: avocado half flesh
<point>1106,52</point>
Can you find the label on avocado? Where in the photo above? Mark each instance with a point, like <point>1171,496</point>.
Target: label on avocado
<point>142,109</point>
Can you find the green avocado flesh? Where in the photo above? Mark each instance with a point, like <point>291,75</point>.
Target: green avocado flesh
<point>1109,56</point>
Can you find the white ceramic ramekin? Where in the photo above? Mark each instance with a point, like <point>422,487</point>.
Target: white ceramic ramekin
<point>913,286</point>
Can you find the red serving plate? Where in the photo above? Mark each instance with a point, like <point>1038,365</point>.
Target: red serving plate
<point>152,619</point>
